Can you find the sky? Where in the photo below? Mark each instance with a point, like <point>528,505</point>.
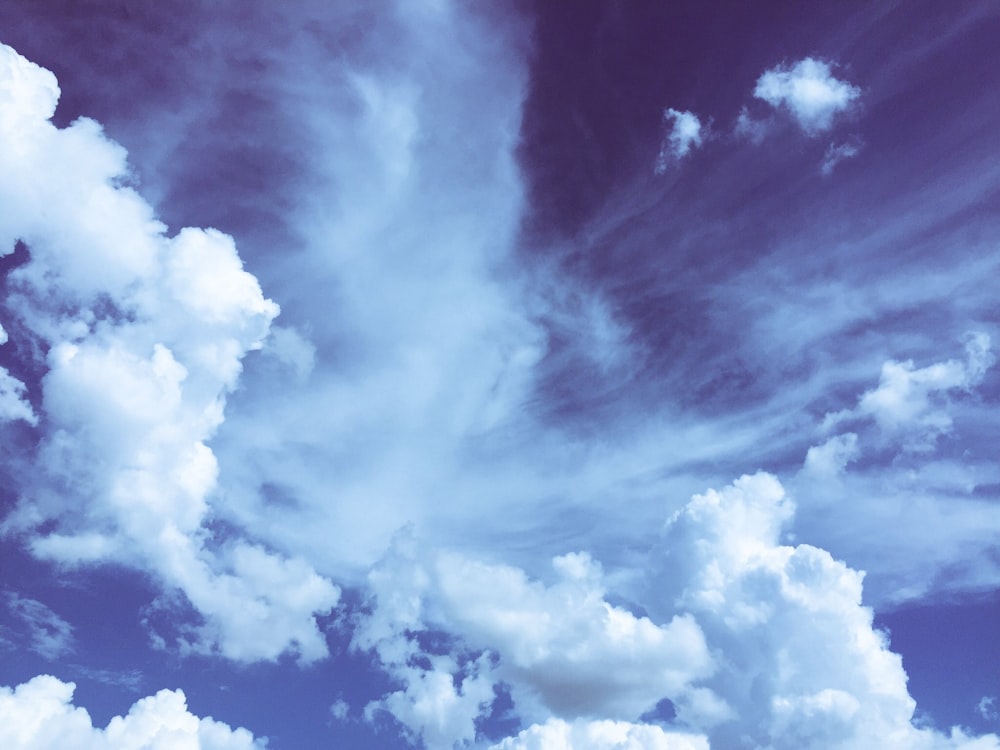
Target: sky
<point>509,376</point>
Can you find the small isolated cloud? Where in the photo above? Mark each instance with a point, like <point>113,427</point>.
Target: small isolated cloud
<point>836,153</point>
<point>684,134</point>
<point>40,629</point>
<point>600,735</point>
<point>987,708</point>
<point>340,709</point>
<point>808,91</point>
<point>40,715</point>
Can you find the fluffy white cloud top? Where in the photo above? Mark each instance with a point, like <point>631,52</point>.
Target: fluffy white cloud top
<point>600,735</point>
<point>801,665</point>
<point>40,715</point>
<point>751,639</point>
<point>561,647</point>
<point>683,135</point>
<point>809,91</point>
<point>145,336</point>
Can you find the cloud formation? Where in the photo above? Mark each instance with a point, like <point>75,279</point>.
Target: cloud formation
<point>40,715</point>
<point>247,484</point>
<point>684,134</point>
<point>144,337</point>
<point>911,404</point>
<point>809,91</point>
<point>600,735</point>
<point>835,154</point>
<point>40,629</point>
<point>763,642</point>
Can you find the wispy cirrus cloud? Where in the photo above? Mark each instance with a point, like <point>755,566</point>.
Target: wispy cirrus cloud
<point>39,628</point>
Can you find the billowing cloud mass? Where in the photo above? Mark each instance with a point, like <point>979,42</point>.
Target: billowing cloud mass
<point>144,336</point>
<point>598,462</point>
<point>40,715</point>
<point>562,648</point>
<point>809,91</point>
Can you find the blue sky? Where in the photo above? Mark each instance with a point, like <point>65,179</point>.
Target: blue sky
<point>410,374</point>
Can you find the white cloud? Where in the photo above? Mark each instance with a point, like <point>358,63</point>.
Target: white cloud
<point>13,405</point>
<point>564,644</point>
<point>801,665</point>
<point>809,91</point>
<point>44,632</point>
<point>836,153</point>
<point>39,715</point>
<point>830,458</point>
<point>987,708</point>
<point>751,129</point>
<point>911,404</point>
<point>561,648</point>
<point>438,705</point>
<point>340,709</point>
<point>145,337</point>
<point>600,735</point>
<point>684,134</point>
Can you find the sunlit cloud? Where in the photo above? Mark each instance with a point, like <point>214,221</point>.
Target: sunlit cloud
<point>809,91</point>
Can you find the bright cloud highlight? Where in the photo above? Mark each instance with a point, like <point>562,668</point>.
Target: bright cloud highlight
<point>145,336</point>
<point>809,91</point>
<point>684,135</point>
<point>40,715</point>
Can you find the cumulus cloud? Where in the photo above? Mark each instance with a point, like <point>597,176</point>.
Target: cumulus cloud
<point>561,647</point>
<point>809,91</point>
<point>802,665</point>
<point>684,134</point>
<point>40,715</point>
<point>759,641</point>
<point>600,735</point>
<point>145,336</point>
